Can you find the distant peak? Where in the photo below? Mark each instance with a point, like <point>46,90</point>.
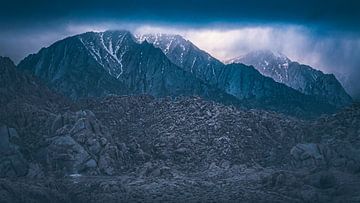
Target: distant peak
<point>122,32</point>
<point>267,53</point>
<point>165,35</point>
<point>154,37</point>
<point>260,55</point>
<point>6,61</point>
<point>108,33</point>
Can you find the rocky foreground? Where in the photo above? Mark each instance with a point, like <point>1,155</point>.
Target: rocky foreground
<point>138,148</point>
<point>143,149</point>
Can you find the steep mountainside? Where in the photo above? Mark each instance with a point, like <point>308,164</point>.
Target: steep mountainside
<point>186,55</point>
<point>300,77</point>
<point>17,87</point>
<point>97,64</point>
<point>241,81</point>
<point>113,62</point>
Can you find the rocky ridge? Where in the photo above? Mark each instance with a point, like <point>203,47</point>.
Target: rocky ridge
<point>298,76</point>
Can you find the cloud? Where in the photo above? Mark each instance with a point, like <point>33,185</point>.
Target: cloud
<point>326,52</point>
<point>330,14</point>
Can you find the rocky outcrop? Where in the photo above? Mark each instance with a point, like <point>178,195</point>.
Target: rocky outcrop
<point>12,162</point>
<point>199,135</point>
<point>79,144</point>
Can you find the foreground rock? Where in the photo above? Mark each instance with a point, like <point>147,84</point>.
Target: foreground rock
<point>12,162</point>
<point>139,148</point>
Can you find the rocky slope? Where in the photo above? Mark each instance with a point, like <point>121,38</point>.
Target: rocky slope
<point>298,76</point>
<point>141,148</point>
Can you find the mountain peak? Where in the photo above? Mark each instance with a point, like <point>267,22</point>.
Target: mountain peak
<point>157,37</point>
<point>262,56</point>
<point>166,42</point>
<point>298,76</point>
<point>7,70</point>
<point>6,61</point>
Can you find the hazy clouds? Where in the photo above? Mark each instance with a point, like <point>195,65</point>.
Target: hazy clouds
<point>324,34</point>
<point>335,52</point>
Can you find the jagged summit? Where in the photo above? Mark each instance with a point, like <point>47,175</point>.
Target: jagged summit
<point>184,53</point>
<point>265,55</point>
<point>298,76</point>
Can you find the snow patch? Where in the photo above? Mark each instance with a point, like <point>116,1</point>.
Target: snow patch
<point>94,53</point>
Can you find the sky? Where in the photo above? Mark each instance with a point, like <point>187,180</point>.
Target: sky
<point>323,34</point>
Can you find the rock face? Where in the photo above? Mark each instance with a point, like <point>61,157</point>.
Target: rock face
<point>114,62</point>
<point>186,55</point>
<point>78,144</point>
<point>12,162</point>
<point>298,76</point>
<point>15,85</point>
<point>98,64</point>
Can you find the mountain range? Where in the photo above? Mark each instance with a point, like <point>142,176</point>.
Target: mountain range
<point>97,64</point>
<point>116,62</point>
<point>298,76</point>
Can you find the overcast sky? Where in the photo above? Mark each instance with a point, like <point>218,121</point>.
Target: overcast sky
<point>324,34</point>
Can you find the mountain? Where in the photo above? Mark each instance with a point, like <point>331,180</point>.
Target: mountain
<point>112,62</point>
<point>16,86</point>
<point>298,76</point>
<point>115,62</point>
<point>186,55</point>
<point>350,84</point>
<point>69,67</point>
<point>239,80</point>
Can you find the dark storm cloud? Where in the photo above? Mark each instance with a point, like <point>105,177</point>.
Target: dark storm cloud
<point>329,37</point>
<point>331,13</point>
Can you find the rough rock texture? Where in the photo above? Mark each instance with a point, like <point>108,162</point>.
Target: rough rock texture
<point>12,163</point>
<point>298,76</point>
<point>142,148</point>
<point>200,135</point>
<point>79,143</point>
<point>139,148</point>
